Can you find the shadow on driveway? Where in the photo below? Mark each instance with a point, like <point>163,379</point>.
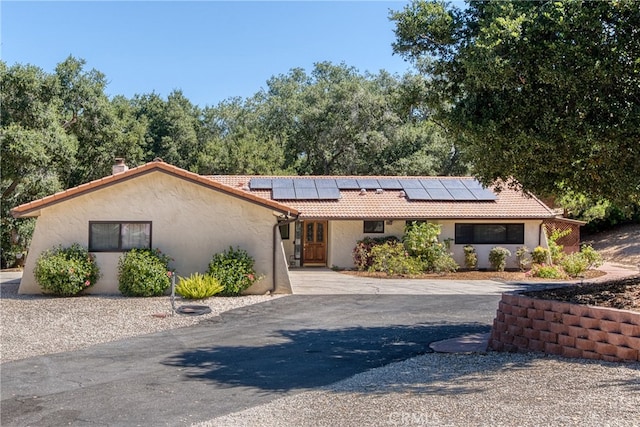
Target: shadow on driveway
<point>310,358</point>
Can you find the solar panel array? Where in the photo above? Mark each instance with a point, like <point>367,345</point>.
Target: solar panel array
<point>440,189</point>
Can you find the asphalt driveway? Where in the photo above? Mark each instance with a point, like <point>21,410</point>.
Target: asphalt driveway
<point>246,357</point>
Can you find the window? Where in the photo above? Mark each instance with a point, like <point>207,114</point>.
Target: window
<point>107,236</point>
<point>284,231</point>
<point>374,226</point>
<point>490,234</point>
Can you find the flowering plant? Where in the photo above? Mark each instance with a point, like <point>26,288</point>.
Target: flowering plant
<point>234,270</point>
<point>66,271</point>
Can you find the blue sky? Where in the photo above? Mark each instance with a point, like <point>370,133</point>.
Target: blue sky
<point>210,50</point>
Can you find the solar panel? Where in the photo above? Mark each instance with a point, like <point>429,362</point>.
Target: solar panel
<point>369,184</point>
<point>483,194</point>
<point>431,183</point>
<point>260,184</point>
<point>410,183</point>
<point>417,194</point>
<point>347,184</point>
<point>472,184</point>
<point>306,193</point>
<point>283,193</point>
<point>461,194</point>
<point>325,183</point>
<point>328,193</point>
<point>304,183</point>
<point>440,194</point>
<point>389,184</point>
<point>452,183</point>
<point>282,182</point>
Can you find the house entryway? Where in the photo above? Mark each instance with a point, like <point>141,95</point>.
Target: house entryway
<point>314,243</point>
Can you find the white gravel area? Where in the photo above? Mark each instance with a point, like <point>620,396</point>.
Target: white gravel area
<point>494,389</point>
<point>33,325</point>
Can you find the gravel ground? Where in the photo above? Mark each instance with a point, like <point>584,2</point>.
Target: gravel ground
<point>33,325</point>
<point>494,389</point>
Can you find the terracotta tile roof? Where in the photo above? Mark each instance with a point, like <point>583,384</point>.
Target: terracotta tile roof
<point>390,205</point>
<point>32,208</point>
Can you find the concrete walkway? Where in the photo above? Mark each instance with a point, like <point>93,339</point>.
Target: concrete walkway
<point>323,281</point>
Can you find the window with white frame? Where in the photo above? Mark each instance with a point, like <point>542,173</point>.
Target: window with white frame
<point>119,236</point>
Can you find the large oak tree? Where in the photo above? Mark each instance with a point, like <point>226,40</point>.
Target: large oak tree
<point>545,92</point>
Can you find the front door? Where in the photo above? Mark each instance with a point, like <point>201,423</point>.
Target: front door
<point>314,243</point>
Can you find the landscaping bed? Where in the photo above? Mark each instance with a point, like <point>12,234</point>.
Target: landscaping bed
<point>622,294</point>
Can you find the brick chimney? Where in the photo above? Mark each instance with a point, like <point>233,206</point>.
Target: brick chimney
<point>119,166</point>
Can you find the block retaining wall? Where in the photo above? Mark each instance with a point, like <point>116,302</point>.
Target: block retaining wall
<point>572,330</point>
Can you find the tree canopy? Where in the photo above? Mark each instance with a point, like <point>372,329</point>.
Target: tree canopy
<point>60,129</point>
<point>545,92</point>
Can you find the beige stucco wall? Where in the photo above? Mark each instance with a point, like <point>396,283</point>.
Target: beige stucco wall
<point>190,223</point>
<point>344,234</point>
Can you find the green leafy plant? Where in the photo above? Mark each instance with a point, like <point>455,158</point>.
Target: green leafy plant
<point>393,259</point>
<point>234,270</point>
<point>540,255</point>
<point>421,241</point>
<point>575,264</point>
<point>143,273</point>
<point>594,259</point>
<point>66,271</point>
<point>498,258</point>
<point>444,264</point>
<point>546,271</point>
<point>362,258</point>
<point>522,256</point>
<point>198,286</point>
<point>470,257</point>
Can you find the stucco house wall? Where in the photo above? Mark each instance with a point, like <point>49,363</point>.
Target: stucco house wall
<point>343,236</point>
<point>190,223</point>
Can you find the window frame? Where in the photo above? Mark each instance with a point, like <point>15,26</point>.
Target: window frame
<point>120,224</point>
<point>371,227</point>
<point>514,234</point>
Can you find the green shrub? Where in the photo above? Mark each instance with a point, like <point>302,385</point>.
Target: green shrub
<point>234,270</point>
<point>540,255</point>
<point>546,271</point>
<point>445,264</point>
<point>66,271</point>
<point>523,259</point>
<point>470,257</point>
<point>143,273</point>
<point>198,286</point>
<point>575,264</point>
<point>594,259</point>
<point>391,258</point>
<point>498,258</point>
<point>362,258</point>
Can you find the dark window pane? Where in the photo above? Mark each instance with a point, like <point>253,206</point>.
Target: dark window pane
<point>284,232</point>
<point>104,236</point>
<point>136,236</point>
<point>489,234</point>
<point>320,233</point>
<point>374,226</point>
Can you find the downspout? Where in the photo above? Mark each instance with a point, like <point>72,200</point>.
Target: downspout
<point>287,220</point>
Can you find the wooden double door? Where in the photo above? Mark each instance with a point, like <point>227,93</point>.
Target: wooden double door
<point>314,243</point>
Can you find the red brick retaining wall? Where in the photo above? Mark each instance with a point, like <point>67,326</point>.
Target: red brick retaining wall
<point>561,328</point>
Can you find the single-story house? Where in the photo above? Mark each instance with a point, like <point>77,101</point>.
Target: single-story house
<point>282,221</point>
